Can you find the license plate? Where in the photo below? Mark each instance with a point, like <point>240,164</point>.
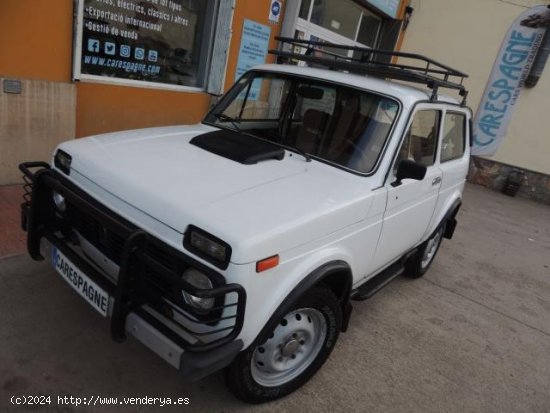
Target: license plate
<point>96,296</point>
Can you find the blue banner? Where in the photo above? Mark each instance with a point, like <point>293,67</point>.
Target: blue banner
<point>511,68</point>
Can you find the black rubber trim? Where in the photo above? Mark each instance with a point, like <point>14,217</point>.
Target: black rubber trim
<point>450,219</point>
<point>471,132</point>
<point>307,283</point>
<point>346,315</point>
<point>195,366</point>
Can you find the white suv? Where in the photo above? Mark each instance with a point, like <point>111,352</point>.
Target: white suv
<point>238,243</point>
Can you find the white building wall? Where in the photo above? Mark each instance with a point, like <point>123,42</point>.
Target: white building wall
<point>467,35</point>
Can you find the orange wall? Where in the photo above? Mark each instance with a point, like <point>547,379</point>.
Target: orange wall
<point>103,108</point>
<point>401,16</point>
<point>36,39</point>
<point>257,10</point>
<point>36,42</point>
<point>106,108</point>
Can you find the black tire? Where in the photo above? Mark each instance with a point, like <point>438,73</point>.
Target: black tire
<point>239,376</point>
<point>416,266</point>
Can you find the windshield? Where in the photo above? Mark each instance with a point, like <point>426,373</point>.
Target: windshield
<point>333,123</point>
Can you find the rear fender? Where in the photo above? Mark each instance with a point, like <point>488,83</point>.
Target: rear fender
<point>448,214</point>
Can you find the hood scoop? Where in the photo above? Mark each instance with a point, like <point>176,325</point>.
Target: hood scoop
<point>238,147</point>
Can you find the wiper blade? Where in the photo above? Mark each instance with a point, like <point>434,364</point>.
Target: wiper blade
<point>306,155</point>
<point>233,121</point>
<point>227,118</point>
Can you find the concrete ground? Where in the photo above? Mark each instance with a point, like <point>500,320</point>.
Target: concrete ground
<point>473,335</point>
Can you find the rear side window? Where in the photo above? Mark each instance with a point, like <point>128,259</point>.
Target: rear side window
<point>454,136</point>
<point>421,140</point>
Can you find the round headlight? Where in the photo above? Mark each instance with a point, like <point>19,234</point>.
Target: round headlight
<point>199,280</point>
<point>59,201</point>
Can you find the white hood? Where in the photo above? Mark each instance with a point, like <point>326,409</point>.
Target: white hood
<point>249,206</point>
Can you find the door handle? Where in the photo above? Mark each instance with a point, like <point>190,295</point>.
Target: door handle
<point>436,181</point>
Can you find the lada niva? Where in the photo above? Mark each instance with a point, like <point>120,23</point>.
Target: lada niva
<point>239,243</point>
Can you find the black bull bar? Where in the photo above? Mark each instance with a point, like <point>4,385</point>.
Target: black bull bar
<point>38,218</point>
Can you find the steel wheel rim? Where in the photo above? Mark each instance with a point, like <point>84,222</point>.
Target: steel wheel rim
<point>431,249</point>
<point>291,348</point>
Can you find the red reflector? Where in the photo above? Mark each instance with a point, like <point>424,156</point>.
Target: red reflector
<point>267,263</point>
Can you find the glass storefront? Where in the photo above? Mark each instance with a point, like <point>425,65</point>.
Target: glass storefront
<point>165,42</point>
<point>338,21</point>
<point>338,16</point>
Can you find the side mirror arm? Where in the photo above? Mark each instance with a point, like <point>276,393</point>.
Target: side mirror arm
<point>409,170</point>
<point>396,183</point>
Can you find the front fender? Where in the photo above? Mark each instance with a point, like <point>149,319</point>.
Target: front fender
<point>314,278</point>
<point>273,292</point>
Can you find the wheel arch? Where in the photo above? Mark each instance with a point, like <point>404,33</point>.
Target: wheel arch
<point>450,218</point>
<point>335,275</point>
<point>448,215</point>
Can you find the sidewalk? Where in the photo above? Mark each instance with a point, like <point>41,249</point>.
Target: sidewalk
<point>12,238</point>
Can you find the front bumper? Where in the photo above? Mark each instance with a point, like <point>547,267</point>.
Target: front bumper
<point>143,302</point>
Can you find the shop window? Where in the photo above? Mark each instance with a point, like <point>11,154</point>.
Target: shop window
<point>345,18</point>
<point>304,9</point>
<point>368,29</point>
<point>338,16</point>
<point>136,41</point>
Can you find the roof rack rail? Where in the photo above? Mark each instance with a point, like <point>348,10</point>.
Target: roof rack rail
<point>368,61</point>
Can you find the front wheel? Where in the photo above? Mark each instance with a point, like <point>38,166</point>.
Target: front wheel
<point>296,348</point>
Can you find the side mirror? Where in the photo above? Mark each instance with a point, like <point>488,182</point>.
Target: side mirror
<point>409,170</point>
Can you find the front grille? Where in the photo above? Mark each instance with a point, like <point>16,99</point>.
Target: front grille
<point>111,245</point>
<point>152,288</point>
<point>105,240</point>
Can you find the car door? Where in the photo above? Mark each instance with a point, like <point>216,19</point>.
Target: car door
<point>411,204</point>
<point>454,159</point>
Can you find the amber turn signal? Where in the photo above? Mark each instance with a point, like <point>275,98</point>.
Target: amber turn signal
<point>267,263</point>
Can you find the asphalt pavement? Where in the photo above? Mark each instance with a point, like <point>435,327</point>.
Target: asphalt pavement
<point>472,335</point>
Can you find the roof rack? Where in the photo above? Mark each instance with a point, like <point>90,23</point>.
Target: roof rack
<point>422,70</point>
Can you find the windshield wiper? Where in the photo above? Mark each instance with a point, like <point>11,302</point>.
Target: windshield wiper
<point>233,121</point>
<point>306,155</point>
<point>227,118</point>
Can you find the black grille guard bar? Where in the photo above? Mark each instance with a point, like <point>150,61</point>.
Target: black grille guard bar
<point>38,226</point>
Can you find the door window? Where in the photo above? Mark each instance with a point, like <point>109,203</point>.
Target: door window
<point>454,136</point>
<point>421,139</point>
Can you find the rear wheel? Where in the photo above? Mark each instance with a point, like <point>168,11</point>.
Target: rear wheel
<point>420,262</point>
<point>295,349</point>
